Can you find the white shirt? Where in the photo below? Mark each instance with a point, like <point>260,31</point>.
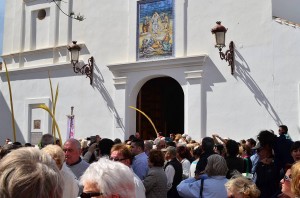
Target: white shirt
<point>139,187</point>
<point>193,168</point>
<point>170,172</point>
<point>186,164</point>
<point>71,187</point>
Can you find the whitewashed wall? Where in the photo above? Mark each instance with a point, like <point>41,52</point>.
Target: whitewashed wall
<point>263,92</point>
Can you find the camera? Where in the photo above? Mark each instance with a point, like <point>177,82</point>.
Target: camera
<point>92,140</point>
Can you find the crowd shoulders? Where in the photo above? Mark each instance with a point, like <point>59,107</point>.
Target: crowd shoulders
<point>167,165</point>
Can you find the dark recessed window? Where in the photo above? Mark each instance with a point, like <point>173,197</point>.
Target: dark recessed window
<point>41,14</point>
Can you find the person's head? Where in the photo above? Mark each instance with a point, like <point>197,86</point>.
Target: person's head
<point>216,166</point>
<point>83,143</point>
<point>182,152</point>
<point>197,152</point>
<point>232,148</point>
<point>246,150</point>
<point>177,137</point>
<point>241,187</point>
<point>105,146</point>
<point>161,144</point>
<point>56,153</point>
<point>98,138</point>
<point>170,143</point>
<point>295,151</point>
<point>46,140</point>
<point>286,183</point>
<point>132,137</point>
<point>121,153</point>
<point>263,151</point>
<point>7,148</point>
<point>117,141</point>
<point>109,179</point>
<point>28,172</point>
<point>208,144</point>
<point>172,136</point>
<point>266,138</point>
<point>72,149</point>
<point>28,144</point>
<point>251,142</point>
<point>283,129</point>
<point>170,153</point>
<point>7,140</point>
<point>156,158</point>
<point>137,135</point>
<point>220,149</point>
<point>148,145</point>
<point>295,175</point>
<point>137,146</point>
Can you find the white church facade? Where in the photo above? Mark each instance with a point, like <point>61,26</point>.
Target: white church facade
<point>168,68</point>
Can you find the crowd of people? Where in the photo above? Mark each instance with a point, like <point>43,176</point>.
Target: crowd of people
<point>166,167</point>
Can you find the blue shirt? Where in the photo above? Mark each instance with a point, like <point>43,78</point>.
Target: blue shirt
<point>140,165</point>
<point>212,187</point>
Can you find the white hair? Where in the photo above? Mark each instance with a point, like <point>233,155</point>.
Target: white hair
<point>111,178</point>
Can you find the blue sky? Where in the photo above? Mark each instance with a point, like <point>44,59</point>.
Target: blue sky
<point>2,3</point>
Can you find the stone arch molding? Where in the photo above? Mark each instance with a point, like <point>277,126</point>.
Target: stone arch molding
<point>130,77</point>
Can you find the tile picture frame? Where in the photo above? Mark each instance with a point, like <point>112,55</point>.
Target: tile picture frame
<point>155,29</point>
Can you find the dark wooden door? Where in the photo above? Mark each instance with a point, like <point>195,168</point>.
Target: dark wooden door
<point>162,100</point>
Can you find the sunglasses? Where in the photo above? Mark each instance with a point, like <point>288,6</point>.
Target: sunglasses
<point>117,159</point>
<point>287,178</point>
<point>90,194</point>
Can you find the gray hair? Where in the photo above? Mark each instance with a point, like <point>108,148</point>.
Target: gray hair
<point>28,172</point>
<point>75,142</point>
<point>171,150</point>
<point>148,144</point>
<point>112,178</point>
<point>216,165</point>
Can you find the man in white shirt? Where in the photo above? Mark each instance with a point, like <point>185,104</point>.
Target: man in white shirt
<point>173,170</point>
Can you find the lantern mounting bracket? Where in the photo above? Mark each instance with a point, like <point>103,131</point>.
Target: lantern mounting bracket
<point>228,56</point>
<point>86,69</point>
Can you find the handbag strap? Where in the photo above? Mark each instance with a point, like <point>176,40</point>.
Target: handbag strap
<point>201,187</point>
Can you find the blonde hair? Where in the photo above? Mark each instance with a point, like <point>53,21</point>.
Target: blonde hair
<point>29,173</point>
<point>244,186</point>
<point>295,175</point>
<point>56,153</point>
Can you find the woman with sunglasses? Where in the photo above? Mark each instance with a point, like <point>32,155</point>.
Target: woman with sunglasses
<point>108,179</point>
<point>295,180</point>
<point>286,185</point>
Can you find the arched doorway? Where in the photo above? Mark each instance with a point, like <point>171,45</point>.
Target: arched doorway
<point>162,99</point>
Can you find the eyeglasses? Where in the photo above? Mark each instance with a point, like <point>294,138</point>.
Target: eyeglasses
<point>287,178</point>
<point>90,194</point>
<point>117,159</point>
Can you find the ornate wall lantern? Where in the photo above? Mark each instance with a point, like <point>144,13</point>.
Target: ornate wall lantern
<point>220,31</point>
<point>86,69</point>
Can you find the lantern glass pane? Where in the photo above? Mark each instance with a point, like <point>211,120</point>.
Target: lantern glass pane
<point>74,55</point>
<point>220,38</point>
